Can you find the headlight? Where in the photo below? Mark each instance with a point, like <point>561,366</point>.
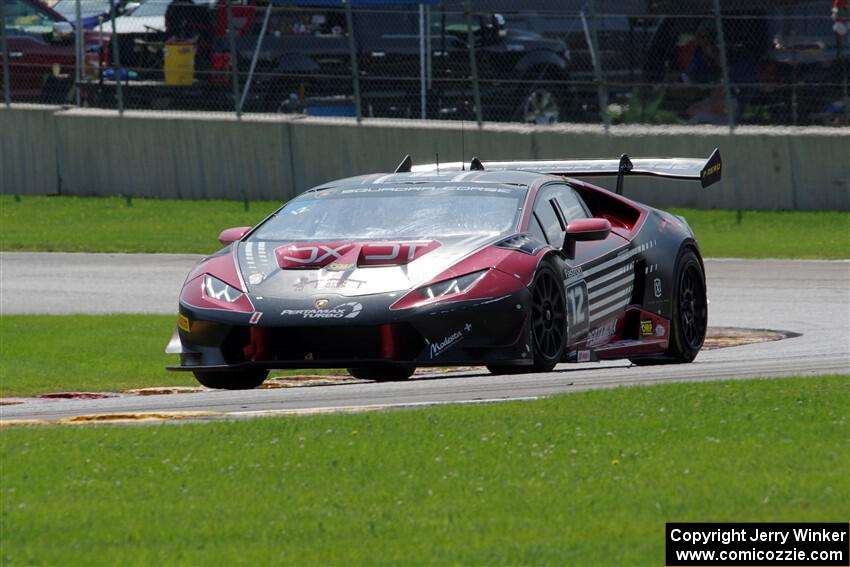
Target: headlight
<point>217,289</point>
<point>450,287</point>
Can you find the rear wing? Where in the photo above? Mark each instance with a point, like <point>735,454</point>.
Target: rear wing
<point>707,171</point>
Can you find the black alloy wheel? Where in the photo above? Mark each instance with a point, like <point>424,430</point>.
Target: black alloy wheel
<point>548,324</point>
<point>690,313</point>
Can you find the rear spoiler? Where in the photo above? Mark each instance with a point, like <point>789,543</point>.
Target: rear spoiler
<point>707,172</point>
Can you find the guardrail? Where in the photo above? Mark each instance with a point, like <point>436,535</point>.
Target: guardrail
<point>50,150</point>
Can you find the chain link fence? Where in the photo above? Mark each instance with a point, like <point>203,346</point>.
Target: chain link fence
<point>593,61</point>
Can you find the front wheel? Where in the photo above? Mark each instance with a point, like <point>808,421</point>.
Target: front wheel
<point>231,379</point>
<point>548,323</point>
<point>381,373</point>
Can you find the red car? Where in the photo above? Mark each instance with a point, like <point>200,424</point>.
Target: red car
<point>41,52</point>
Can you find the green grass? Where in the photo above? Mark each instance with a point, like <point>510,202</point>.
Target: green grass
<point>90,353</point>
<point>771,234</point>
<point>98,224</point>
<point>581,479</point>
<point>94,224</point>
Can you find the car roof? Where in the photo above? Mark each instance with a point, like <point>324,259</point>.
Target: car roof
<point>518,179</point>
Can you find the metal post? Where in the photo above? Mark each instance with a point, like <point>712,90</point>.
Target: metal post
<point>255,57</point>
<point>115,52</point>
<point>352,53</point>
<point>78,50</point>
<point>422,69</point>
<point>5,52</point>
<point>602,91</point>
<point>473,65</point>
<point>724,65</point>
<point>234,64</point>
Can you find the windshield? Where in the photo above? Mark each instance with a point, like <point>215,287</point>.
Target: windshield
<point>396,212</point>
<point>153,8</point>
<point>68,8</point>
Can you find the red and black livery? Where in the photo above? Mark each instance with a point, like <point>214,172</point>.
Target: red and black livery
<point>512,265</point>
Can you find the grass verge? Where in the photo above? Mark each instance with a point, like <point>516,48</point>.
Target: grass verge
<point>587,478</point>
<point>98,224</point>
<point>113,224</point>
<point>91,353</point>
<point>771,234</point>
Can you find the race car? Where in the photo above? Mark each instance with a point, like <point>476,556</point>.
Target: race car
<point>515,266</point>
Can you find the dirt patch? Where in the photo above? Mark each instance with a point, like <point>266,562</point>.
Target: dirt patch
<point>306,380</point>
<point>724,337</point>
<point>157,391</point>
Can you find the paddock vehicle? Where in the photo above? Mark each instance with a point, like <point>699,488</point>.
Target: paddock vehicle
<point>512,265</point>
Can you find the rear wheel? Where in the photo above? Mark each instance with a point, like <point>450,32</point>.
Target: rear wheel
<point>231,379</point>
<point>690,313</point>
<point>382,373</point>
<point>548,323</point>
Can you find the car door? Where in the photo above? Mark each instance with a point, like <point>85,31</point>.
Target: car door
<point>598,280</point>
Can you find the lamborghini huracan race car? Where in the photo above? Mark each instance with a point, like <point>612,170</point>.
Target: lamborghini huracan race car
<point>511,265</point>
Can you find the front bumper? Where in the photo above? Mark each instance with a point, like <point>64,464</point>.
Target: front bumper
<point>359,331</point>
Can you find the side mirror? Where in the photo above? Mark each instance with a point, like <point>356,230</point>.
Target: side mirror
<point>62,31</point>
<point>582,230</point>
<point>231,235</point>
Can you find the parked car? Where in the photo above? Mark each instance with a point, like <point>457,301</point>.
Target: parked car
<point>42,56</point>
<point>522,75</point>
<point>92,12</point>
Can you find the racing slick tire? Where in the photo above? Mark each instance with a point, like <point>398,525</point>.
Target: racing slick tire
<point>690,313</point>
<point>548,323</point>
<point>231,379</point>
<point>382,373</point>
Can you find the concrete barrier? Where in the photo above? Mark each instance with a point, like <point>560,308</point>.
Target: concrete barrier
<point>29,150</point>
<point>182,155</point>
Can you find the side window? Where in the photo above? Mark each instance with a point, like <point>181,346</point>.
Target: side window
<point>571,204</point>
<point>535,229</point>
<point>547,215</point>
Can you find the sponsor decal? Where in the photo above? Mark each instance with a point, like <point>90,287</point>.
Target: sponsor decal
<point>255,278</point>
<point>183,322</point>
<point>583,356</point>
<point>711,169</point>
<point>344,311</point>
<point>657,287</point>
<point>646,328</point>
<point>340,266</point>
<point>311,255</point>
<point>603,332</point>
<point>440,346</point>
<point>394,253</point>
<point>420,188</point>
<point>660,331</point>
<point>321,303</point>
<point>255,317</point>
<point>572,272</point>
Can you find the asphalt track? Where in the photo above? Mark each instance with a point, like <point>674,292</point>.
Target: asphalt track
<point>811,298</point>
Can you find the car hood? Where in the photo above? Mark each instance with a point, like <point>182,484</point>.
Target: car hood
<point>266,271</point>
